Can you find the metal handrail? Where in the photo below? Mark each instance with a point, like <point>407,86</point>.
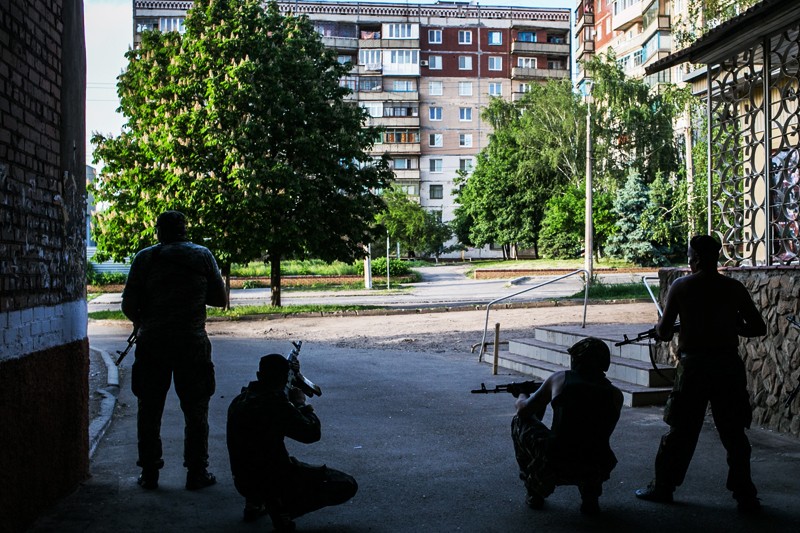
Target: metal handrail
<point>489,305</point>
<point>652,296</point>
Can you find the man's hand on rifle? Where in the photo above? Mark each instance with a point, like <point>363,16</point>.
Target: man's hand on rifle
<point>297,397</point>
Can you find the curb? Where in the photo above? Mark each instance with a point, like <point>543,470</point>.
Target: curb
<point>98,426</point>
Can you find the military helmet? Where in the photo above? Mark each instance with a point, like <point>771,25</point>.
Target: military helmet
<point>590,353</point>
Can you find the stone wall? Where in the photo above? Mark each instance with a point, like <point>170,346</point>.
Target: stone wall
<point>773,361</point>
<point>44,350</point>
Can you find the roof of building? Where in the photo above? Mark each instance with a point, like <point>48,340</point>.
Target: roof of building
<point>762,20</point>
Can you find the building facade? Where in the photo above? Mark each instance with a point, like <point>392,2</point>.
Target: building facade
<point>638,31</point>
<point>424,72</point>
<point>44,349</point>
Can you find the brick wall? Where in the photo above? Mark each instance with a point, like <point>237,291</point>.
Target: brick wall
<point>773,361</point>
<point>43,341</point>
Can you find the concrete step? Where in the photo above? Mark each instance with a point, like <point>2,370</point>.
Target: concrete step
<point>567,335</point>
<point>632,371</point>
<point>633,395</point>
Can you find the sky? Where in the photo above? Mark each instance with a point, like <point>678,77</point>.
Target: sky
<point>109,34</point>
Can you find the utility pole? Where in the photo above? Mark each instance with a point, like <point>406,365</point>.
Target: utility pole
<point>589,230</point>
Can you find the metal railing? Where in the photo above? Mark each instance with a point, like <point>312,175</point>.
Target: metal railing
<point>489,305</point>
<point>652,296</point>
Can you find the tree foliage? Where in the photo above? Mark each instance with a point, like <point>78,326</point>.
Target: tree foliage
<point>532,153</point>
<point>420,231</point>
<point>240,123</point>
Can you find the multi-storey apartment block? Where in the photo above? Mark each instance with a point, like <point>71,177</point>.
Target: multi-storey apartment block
<point>424,72</point>
<point>639,32</point>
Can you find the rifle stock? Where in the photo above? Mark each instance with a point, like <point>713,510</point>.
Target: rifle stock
<point>644,335</point>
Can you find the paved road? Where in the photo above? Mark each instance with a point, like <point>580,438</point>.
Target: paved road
<point>444,285</point>
<point>428,457</point>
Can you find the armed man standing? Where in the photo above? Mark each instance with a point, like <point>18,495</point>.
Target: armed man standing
<point>272,481</point>
<point>714,311</point>
<point>168,288</point>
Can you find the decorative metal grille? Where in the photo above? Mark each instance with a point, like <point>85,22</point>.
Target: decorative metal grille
<point>754,152</point>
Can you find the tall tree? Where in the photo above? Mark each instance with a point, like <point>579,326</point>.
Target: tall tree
<point>532,153</point>
<point>409,223</point>
<point>242,124</point>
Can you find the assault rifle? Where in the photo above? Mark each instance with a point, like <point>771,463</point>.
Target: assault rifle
<point>643,336</point>
<point>131,342</point>
<point>515,389</point>
<point>296,379</point>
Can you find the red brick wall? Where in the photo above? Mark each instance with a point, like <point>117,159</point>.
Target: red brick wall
<point>43,343</point>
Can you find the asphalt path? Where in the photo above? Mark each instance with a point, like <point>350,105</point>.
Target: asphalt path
<point>441,286</point>
<point>428,457</point>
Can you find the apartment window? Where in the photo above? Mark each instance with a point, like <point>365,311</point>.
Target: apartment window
<point>435,62</point>
<point>375,109</point>
<point>556,39</point>
<point>403,86</point>
<point>370,58</point>
<point>555,64</point>
<point>410,190</point>
<point>495,37</point>
<point>351,82</point>
<point>465,165</point>
<point>437,215</point>
<point>434,36</point>
<point>465,88</point>
<point>437,192</point>
<point>524,87</point>
<point>435,113</point>
<point>495,63</point>
<point>401,136</point>
<point>465,140</point>
<point>404,163</point>
<point>166,24</point>
<point>369,84</point>
<point>344,59</point>
<point>436,165</point>
<point>526,62</point>
<point>465,114</point>
<point>495,88</point>
<point>435,88</point>
<point>404,57</point>
<point>436,140</point>
<point>399,31</point>
<point>401,110</point>
<point>529,36</point>
<point>465,37</point>
<point>464,62</point>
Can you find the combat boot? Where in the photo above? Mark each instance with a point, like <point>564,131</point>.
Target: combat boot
<point>148,479</point>
<point>655,493</point>
<point>199,479</point>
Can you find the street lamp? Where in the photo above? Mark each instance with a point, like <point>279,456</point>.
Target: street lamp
<point>589,230</point>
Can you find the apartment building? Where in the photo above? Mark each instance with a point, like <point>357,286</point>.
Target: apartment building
<point>639,32</point>
<point>424,72</point>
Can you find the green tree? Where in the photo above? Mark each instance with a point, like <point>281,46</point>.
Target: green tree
<point>564,228</point>
<point>532,153</point>
<point>409,223</point>
<point>240,123</point>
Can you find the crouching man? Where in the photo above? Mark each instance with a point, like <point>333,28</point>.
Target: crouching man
<point>575,450</point>
<point>271,481</point>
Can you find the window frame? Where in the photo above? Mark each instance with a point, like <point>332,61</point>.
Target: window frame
<point>496,33</point>
<point>465,140</point>
<point>433,138</point>
<point>439,195</point>
<point>467,37</point>
<point>436,165</point>
<point>438,84</point>
<point>465,114</point>
<point>435,113</point>
<point>437,33</point>
<point>495,63</point>
<point>435,62</point>
<point>462,85</point>
<point>464,62</point>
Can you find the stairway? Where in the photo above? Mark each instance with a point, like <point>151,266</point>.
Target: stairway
<point>630,371</point>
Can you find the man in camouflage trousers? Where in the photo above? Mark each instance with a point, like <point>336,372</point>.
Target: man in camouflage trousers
<point>168,288</point>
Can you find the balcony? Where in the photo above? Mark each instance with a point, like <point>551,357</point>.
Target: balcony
<point>622,45</point>
<point>407,175</point>
<point>626,14</point>
<point>585,48</point>
<point>371,69</point>
<point>397,148</point>
<point>538,73</point>
<point>394,122</point>
<point>389,43</point>
<point>340,43</point>
<point>383,95</point>
<point>523,47</point>
<point>583,19</point>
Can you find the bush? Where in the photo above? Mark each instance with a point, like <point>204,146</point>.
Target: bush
<point>104,278</point>
<point>397,267</point>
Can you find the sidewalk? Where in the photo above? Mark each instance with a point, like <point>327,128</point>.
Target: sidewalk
<point>428,457</point>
